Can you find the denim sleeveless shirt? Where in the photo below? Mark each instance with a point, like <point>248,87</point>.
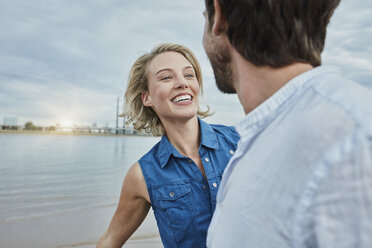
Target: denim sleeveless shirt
<point>183,201</point>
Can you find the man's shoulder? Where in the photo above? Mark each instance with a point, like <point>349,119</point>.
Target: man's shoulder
<point>349,97</point>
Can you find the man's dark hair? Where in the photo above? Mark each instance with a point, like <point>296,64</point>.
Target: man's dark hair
<point>276,32</point>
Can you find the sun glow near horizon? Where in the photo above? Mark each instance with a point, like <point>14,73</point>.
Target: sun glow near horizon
<point>66,123</point>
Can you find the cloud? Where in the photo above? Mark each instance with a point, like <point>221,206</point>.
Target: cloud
<point>72,58</point>
<point>349,41</point>
<point>56,49</point>
<point>39,103</point>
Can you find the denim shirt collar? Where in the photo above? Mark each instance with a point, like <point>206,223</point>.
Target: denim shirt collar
<point>166,149</point>
<point>258,118</point>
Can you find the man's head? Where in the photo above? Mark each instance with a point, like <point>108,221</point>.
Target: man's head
<point>220,58</point>
<point>273,33</point>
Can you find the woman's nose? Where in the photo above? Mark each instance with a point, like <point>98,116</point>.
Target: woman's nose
<point>181,82</point>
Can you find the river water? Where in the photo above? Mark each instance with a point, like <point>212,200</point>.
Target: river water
<point>61,191</point>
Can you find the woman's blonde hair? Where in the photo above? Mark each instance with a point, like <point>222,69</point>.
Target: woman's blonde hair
<point>144,117</point>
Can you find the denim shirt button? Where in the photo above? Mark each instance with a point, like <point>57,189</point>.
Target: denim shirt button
<point>171,194</point>
<point>214,185</point>
<point>206,159</point>
<point>232,152</point>
<point>204,187</point>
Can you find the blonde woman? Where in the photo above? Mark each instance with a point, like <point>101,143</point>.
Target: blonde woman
<point>179,177</point>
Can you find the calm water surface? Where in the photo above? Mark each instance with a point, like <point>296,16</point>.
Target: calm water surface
<point>61,191</point>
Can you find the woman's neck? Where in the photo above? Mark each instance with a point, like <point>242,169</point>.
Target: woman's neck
<point>184,136</point>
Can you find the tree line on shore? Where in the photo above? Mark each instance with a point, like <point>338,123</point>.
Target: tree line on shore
<point>29,126</point>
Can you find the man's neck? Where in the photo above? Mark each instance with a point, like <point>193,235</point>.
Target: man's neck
<point>254,84</point>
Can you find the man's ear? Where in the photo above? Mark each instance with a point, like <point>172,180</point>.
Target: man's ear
<point>146,100</point>
<point>219,21</point>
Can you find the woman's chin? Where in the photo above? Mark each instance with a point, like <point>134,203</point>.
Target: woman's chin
<point>186,115</point>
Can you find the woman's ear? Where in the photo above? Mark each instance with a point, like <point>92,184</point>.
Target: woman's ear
<point>146,100</point>
<point>219,21</point>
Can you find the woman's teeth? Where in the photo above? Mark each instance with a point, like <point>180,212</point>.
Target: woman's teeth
<point>182,98</point>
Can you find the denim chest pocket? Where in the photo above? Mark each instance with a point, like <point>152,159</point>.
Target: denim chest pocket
<point>176,204</point>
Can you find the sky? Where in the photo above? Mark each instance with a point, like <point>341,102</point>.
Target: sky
<point>67,61</point>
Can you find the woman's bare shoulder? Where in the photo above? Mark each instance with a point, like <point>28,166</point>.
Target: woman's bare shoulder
<point>135,182</point>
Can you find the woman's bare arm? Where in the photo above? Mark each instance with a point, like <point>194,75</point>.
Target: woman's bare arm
<point>132,209</point>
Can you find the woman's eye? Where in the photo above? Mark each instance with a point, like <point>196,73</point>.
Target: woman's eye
<point>189,75</point>
<point>165,78</point>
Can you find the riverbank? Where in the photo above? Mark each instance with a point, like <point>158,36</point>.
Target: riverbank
<point>69,133</point>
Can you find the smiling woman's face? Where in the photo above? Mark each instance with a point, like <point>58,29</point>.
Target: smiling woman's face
<point>173,87</point>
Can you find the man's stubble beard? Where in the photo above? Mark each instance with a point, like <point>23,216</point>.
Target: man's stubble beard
<point>221,60</point>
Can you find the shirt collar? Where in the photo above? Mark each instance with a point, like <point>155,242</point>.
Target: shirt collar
<point>258,118</point>
<point>208,136</point>
<point>166,149</point>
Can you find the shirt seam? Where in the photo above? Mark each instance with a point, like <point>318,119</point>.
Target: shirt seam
<point>339,105</point>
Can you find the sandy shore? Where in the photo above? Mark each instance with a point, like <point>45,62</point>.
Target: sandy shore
<point>149,242</point>
<point>136,242</point>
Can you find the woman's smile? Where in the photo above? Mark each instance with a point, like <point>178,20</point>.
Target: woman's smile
<point>182,99</point>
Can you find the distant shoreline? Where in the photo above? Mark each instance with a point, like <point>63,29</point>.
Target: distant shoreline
<point>69,133</point>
